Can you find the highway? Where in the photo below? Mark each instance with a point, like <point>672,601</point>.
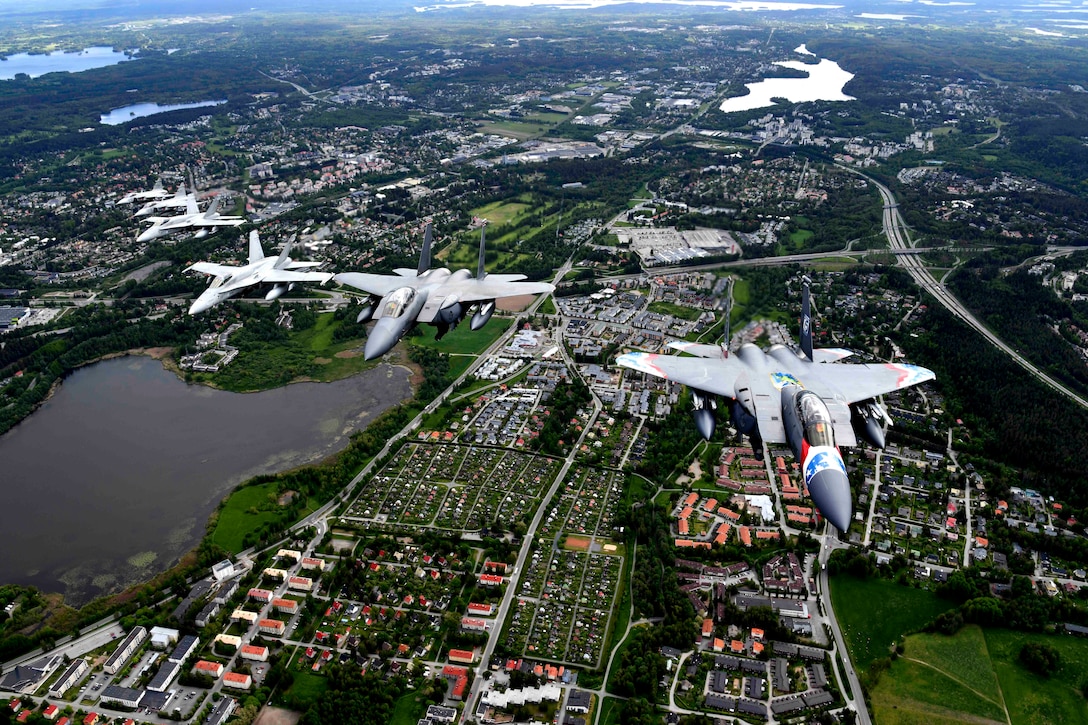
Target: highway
<point>899,239</point>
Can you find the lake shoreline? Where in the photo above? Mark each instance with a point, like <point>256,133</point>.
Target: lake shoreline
<point>139,458</point>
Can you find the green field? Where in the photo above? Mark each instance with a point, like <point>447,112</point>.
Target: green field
<point>799,237</point>
<point>501,212</point>
<point>408,710</point>
<point>668,308</point>
<point>974,675</point>
<point>875,613</point>
<point>462,340</point>
<point>1033,699</point>
<point>247,509</point>
<point>515,129</point>
<point>941,678</point>
<point>305,689</point>
<point>610,711</point>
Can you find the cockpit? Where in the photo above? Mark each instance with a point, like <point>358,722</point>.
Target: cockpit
<point>397,301</point>
<point>815,419</point>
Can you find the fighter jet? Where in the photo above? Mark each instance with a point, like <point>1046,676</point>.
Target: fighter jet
<point>156,192</point>
<point>438,297</point>
<point>180,200</point>
<point>205,222</point>
<point>277,271</point>
<point>805,399</point>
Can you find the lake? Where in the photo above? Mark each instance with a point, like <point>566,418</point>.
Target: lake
<point>138,110</point>
<point>114,477</point>
<point>825,82</point>
<point>37,65</point>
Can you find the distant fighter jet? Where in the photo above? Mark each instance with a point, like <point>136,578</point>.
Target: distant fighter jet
<point>156,192</point>
<point>277,271</point>
<point>779,396</point>
<point>180,200</point>
<point>438,297</point>
<point>193,218</point>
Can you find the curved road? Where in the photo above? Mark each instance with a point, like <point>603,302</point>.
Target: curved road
<point>899,240</point>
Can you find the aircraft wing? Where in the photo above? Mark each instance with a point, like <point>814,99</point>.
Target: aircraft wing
<point>216,270</point>
<point>375,284</point>
<point>713,376</point>
<point>696,349</point>
<point>830,354</point>
<point>220,222</point>
<point>286,275</point>
<point>853,383</point>
<point>475,290</point>
<point>301,265</point>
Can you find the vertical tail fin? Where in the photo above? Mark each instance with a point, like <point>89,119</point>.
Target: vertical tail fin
<point>286,250</point>
<point>158,184</point>
<point>213,209</point>
<point>180,193</point>
<point>480,271</point>
<point>190,206</point>
<point>425,255</point>
<point>256,253</point>
<point>806,319</point>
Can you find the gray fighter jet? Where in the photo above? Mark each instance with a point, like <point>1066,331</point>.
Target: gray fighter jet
<point>438,297</point>
<point>205,222</point>
<point>180,200</point>
<point>805,399</point>
<point>280,272</point>
<point>156,192</point>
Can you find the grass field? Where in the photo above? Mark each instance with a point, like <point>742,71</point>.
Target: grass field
<point>875,613</point>
<point>409,710</point>
<point>974,675</point>
<point>247,509</point>
<point>501,212</point>
<point>947,678</point>
<point>462,340</point>
<point>1033,699</point>
<point>307,687</point>
<point>515,129</point>
<point>668,308</point>
<point>799,237</point>
<point>610,711</point>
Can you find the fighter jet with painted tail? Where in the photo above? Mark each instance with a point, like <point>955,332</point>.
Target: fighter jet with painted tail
<point>280,272</point>
<point>437,297</point>
<point>807,399</point>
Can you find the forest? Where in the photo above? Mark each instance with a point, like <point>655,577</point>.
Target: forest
<point>1012,417</point>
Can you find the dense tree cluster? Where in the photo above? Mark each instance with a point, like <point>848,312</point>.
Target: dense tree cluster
<point>1040,658</point>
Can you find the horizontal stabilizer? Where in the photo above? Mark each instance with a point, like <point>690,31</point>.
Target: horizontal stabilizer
<point>696,349</point>
<point>830,354</point>
<point>505,277</point>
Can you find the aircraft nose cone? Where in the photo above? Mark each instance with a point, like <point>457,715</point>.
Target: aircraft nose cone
<point>200,305</point>
<point>380,341</point>
<point>830,491</point>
